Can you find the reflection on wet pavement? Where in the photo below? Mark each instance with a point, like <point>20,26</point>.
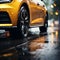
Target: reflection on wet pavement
<point>40,47</point>
<point>44,48</point>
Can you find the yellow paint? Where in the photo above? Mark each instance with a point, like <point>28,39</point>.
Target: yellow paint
<point>38,20</point>
<point>5,24</point>
<point>13,9</point>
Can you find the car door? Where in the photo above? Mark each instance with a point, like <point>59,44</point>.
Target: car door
<point>36,13</point>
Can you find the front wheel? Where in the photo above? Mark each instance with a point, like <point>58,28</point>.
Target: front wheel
<point>23,21</point>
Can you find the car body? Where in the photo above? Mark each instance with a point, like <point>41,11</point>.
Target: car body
<point>10,9</point>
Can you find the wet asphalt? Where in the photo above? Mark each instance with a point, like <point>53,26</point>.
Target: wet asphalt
<point>44,46</point>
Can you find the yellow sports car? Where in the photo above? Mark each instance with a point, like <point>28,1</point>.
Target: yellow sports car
<point>22,14</point>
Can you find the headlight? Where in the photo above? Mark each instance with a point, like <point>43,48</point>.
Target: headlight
<point>4,1</point>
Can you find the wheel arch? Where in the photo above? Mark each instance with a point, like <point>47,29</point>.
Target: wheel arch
<point>26,5</point>
<point>46,15</point>
<point>46,19</point>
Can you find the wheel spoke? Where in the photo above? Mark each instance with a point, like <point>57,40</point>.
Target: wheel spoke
<point>24,20</point>
<point>24,14</point>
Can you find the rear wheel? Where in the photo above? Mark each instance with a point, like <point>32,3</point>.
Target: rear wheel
<point>44,28</point>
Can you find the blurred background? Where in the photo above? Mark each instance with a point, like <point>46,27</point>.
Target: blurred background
<point>53,7</point>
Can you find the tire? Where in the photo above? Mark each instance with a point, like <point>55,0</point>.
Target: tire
<point>44,28</point>
<point>22,27</point>
<point>23,21</point>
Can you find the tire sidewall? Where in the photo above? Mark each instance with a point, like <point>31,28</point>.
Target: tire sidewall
<point>19,23</point>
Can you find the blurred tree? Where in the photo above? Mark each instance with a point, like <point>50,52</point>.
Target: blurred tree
<point>53,7</point>
<point>48,5</point>
<point>57,2</point>
<point>56,9</point>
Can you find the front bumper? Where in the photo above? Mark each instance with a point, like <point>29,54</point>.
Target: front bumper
<point>12,10</point>
<point>4,18</point>
<point>7,27</point>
